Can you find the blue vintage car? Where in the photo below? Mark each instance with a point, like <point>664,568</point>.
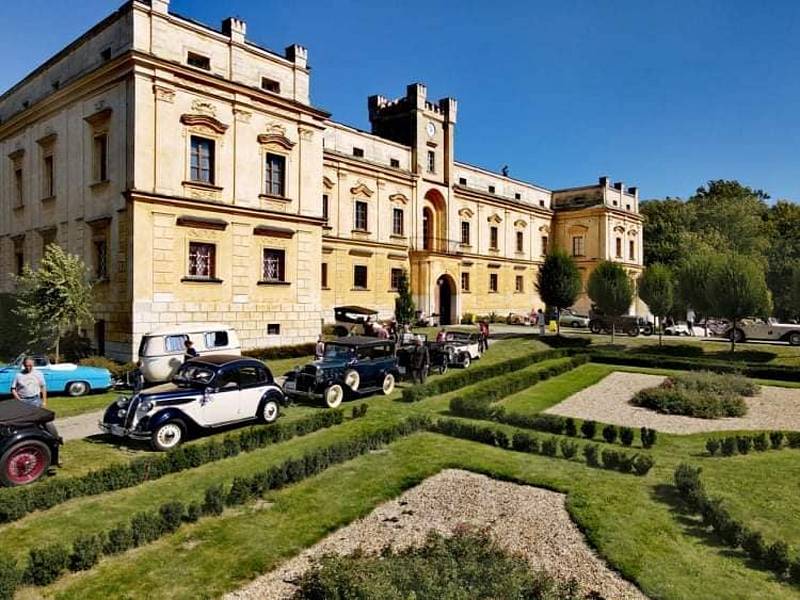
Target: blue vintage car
<point>351,367</point>
<point>67,378</point>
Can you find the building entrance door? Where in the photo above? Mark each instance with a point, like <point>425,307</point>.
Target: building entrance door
<point>446,300</point>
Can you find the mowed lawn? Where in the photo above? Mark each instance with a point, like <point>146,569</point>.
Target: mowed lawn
<point>635,523</point>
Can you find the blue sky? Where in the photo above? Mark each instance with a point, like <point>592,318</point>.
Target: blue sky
<point>663,95</point>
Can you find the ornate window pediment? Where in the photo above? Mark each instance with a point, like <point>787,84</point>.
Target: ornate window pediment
<point>327,182</point>
<point>276,134</point>
<point>361,189</point>
<point>466,213</point>
<point>619,229</point>
<point>208,121</point>
<point>544,229</point>
<point>398,199</point>
<point>520,223</point>
<point>100,117</point>
<point>495,218</point>
<point>632,232</point>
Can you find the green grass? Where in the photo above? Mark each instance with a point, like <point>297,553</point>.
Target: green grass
<point>65,406</point>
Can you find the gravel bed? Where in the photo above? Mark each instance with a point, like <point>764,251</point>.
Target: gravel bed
<point>608,401</point>
<point>529,521</point>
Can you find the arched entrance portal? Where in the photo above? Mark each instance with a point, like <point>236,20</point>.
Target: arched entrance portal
<point>447,300</point>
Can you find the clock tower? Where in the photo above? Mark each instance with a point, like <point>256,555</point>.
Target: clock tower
<point>427,127</point>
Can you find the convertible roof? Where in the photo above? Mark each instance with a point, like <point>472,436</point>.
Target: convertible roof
<point>360,310</point>
<point>359,340</point>
<point>14,412</point>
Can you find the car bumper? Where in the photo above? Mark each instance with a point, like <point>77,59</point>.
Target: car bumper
<point>291,391</point>
<point>119,431</point>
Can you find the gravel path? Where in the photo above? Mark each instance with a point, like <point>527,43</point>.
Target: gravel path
<point>526,520</point>
<point>79,426</point>
<point>608,401</point>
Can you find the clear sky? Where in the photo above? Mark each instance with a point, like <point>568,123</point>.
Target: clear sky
<point>663,95</point>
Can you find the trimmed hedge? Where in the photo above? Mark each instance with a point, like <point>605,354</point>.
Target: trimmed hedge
<point>15,503</point>
<point>734,534</point>
<point>280,352</point>
<point>525,442</point>
<point>47,563</point>
<point>775,372</point>
<point>478,373</point>
<point>760,442</point>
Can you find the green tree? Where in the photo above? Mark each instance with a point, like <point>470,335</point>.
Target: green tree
<point>56,298</point>
<point>794,294</point>
<point>783,256</point>
<point>667,227</point>
<point>694,283</point>
<point>404,304</point>
<point>611,291</point>
<point>656,288</point>
<point>558,282</point>
<point>739,289</point>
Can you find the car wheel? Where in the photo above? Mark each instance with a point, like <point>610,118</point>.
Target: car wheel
<point>388,384</point>
<point>334,396</point>
<point>794,338</point>
<point>270,411</point>
<point>167,436</point>
<point>352,379</point>
<point>465,360</point>
<point>595,327</point>
<point>737,335</point>
<point>24,463</point>
<point>77,388</point>
<point>633,331</point>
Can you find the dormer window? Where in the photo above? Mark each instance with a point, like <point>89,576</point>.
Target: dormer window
<point>491,189</point>
<point>462,181</point>
<point>198,61</point>
<point>517,196</point>
<point>393,162</point>
<point>358,152</point>
<point>270,85</point>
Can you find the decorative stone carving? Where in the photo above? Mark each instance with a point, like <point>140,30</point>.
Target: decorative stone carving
<point>164,94</point>
<point>520,223</point>
<point>201,120</point>
<point>466,213</point>
<point>242,116</point>
<point>544,229</point>
<point>327,182</point>
<point>398,199</point>
<point>204,107</point>
<point>361,189</point>
<point>495,218</point>
<point>306,134</point>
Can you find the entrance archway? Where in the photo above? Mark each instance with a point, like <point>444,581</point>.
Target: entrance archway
<point>446,306</point>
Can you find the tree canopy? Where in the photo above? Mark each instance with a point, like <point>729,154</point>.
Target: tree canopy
<point>558,281</point>
<point>404,304</point>
<point>610,290</point>
<point>656,288</point>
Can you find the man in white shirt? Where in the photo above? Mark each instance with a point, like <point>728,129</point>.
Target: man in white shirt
<point>28,385</point>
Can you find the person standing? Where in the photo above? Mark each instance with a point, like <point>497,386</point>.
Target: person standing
<point>28,385</point>
<point>319,349</point>
<point>690,321</point>
<point>420,362</point>
<point>540,321</point>
<point>441,336</point>
<point>189,352</point>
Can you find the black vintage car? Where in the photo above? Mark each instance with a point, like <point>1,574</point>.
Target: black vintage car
<point>630,324</point>
<point>440,353</point>
<point>350,367</point>
<point>28,442</point>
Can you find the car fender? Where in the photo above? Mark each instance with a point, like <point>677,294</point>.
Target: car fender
<point>785,335</point>
<point>168,414</point>
<point>32,433</point>
<point>272,393</point>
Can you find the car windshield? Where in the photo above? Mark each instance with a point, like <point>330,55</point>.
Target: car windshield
<point>191,374</point>
<point>338,352</point>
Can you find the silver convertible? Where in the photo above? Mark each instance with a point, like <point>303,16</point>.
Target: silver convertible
<point>760,329</point>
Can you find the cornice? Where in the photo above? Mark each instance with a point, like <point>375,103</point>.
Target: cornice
<point>499,201</point>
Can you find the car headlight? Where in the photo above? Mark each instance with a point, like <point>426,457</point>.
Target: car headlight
<point>146,406</point>
<point>121,413</point>
<point>123,401</point>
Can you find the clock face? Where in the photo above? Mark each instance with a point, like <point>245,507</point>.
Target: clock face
<point>431,129</point>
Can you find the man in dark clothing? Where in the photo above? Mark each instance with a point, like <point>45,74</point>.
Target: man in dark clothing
<point>420,362</point>
<point>189,351</point>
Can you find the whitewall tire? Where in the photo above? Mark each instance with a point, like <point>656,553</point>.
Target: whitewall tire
<point>167,436</point>
<point>334,396</point>
<point>77,388</point>
<point>352,380</point>
<point>388,384</point>
<point>270,411</point>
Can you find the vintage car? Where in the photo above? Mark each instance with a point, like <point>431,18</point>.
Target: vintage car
<point>354,320</point>
<point>438,353</point>
<point>630,324</point>
<point>678,329</point>
<point>570,318</point>
<point>28,442</point>
<point>768,330</point>
<point>350,367</point>
<point>206,393</point>
<point>67,378</point>
<point>462,347</point>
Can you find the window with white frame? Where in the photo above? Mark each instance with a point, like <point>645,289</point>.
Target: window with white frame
<point>520,242</point>
<point>360,219</point>
<point>273,264</point>
<point>493,282</point>
<point>578,245</point>
<point>360,277</point>
<point>431,161</point>
<point>202,259</point>
<point>493,235</point>
<point>201,164</point>
<point>519,284</point>
<point>275,175</point>
<point>397,221</point>
<point>465,233</point>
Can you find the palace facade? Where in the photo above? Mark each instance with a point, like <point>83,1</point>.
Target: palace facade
<point>190,170</point>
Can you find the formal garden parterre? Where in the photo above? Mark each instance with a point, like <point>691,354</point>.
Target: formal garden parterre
<point>224,517</point>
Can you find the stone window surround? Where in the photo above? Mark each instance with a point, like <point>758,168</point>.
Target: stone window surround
<point>47,144</point>
<point>99,125</point>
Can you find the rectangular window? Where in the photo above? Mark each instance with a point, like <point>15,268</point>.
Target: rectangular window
<point>632,250</point>
<point>361,216</point>
<point>359,152</point>
<point>544,245</point>
<point>431,161</point>
<point>493,238</point>
<point>517,196</point>
<point>19,262</point>
<point>325,206</point>
<point>360,277</point>
<point>541,202</point>
<point>216,339</point>
<point>48,177</point>
<point>465,232</point>
<point>202,259</point>
<point>519,285</point>
<point>465,282</point>
<point>491,189</point>
<point>619,247</point>
<point>175,343</point>
<point>492,282</point>
<point>397,221</point>
<point>393,162</point>
<point>273,265</point>
<point>520,242</point>
<point>202,160</point>
<point>105,54</point>
<point>101,157</point>
<point>462,181</point>
<point>198,61</point>
<point>101,259</point>
<point>270,85</point>
<point>273,329</point>
<point>19,187</point>
<point>324,276</point>
<point>577,245</point>
<point>395,278</point>
<point>275,175</point>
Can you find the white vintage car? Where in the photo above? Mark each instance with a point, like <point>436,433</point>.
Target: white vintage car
<point>759,329</point>
<point>462,347</point>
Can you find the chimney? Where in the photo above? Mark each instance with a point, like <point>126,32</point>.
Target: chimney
<point>235,29</point>
<point>604,181</point>
<point>297,54</point>
<point>633,191</point>
<point>618,185</point>
<point>160,6</point>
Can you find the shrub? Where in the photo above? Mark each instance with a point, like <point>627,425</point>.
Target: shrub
<point>193,512</point>
<point>689,402</point>
<point>777,557</point>
<point>648,437</point>
<point>687,480</point>
<point>119,539</point>
<point>550,446</point>
<point>10,577</point>
<point>116,369</point>
<point>626,436</point>
<point>728,446</point>
<point>793,439</point>
<point>214,502</point>
<point>776,439</point>
<point>538,422</point>
<point>794,571</point>
<point>588,429</point>
<point>591,453</point>
<point>145,528</point>
<point>359,411</point>
<point>760,442</point>
<point>524,442</point>
<point>280,352</point>
<point>642,463</point>
<point>501,439</point>
<point>743,444</point>
<point>570,428</point>
<point>715,383</point>
<point>712,445</point>
<point>568,448</point>
<point>753,544</point>
<point>171,515</point>
<point>610,434</point>
<point>86,551</point>
<point>610,459</point>
<point>239,492</point>
<point>45,564</point>
<point>732,533</point>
